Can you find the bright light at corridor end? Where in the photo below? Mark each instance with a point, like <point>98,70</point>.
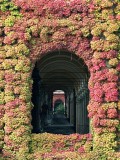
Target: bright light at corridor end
<point>58,92</point>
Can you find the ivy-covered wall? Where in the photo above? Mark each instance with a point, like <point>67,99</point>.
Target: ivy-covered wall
<point>31,28</point>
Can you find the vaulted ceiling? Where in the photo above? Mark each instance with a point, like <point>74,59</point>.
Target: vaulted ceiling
<point>61,70</point>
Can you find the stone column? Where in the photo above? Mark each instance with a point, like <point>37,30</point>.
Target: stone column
<point>82,121</point>
<point>78,115</point>
<point>35,101</point>
<point>81,118</point>
<point>85,125</point>
<point>72,108</point>
<point>65,106</point>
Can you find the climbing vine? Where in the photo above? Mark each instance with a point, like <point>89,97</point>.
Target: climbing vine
<point>32,28</point>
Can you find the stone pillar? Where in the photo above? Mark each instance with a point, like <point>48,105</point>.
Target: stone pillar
<point>72,108</point>
<point>35,101</point>
<point>85,125</point>
<point>82,121</point>
<point>81,118</point>
<point>65,105</point>
<point>78,115</point>
<point>79,109</point>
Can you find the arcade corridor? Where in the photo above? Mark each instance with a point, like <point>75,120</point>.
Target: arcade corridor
<point>61,71</point>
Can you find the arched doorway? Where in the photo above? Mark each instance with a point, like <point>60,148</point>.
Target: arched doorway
<point>59,101</point>
<point>62,70</point>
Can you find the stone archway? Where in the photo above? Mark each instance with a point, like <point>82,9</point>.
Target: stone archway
<point>83,28</point>
<point>60,96</point>
<point>64,70</point>
<point>59,99</point>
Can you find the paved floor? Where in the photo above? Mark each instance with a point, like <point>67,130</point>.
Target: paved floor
<point>59,125</point>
